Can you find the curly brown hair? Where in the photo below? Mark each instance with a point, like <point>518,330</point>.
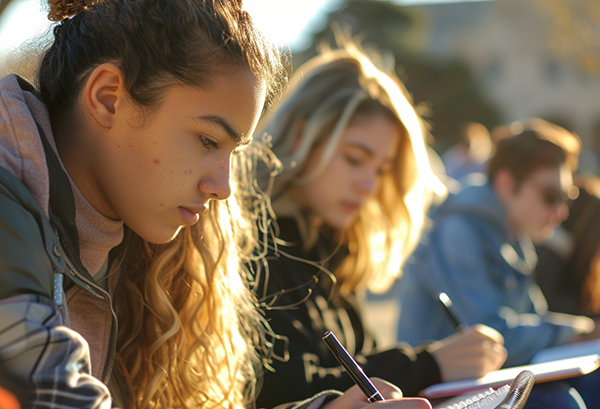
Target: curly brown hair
<point>188,324</point>
<point>156,43</point>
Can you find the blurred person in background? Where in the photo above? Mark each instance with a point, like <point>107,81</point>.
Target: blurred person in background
<point>349,206</point>
<point>470,154</point>
<point>480,250</point>
<point>568,271</point>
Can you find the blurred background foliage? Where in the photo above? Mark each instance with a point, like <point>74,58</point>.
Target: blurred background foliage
<point>443,90</point>
<point>575,32</point>
<point>491,62</point>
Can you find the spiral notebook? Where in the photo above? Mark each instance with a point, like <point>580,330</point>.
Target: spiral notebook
<point>567,351</point>
<point>489,398</point>
<point>513,396</point>
<point>544,372</point>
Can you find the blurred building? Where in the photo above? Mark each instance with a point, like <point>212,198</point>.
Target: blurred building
<point>529,58</point>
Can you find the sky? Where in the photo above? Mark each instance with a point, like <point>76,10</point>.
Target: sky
<point>284,21</point>
<point>270,16</point>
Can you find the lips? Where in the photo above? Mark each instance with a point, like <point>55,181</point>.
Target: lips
<point>197,209</point>
<point>190,215</point>
<point>351,207</point>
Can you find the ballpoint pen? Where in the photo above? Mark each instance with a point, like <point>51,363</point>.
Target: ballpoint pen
<point>448,307</point>
<point>355,371</point>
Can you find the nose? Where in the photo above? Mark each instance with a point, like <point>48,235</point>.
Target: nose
<point>216,183</point>
<point>560,213</point>
<point>367,184</point>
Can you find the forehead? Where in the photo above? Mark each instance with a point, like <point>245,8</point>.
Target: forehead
<point>376,134</point>
<point>559,177</point>
<point>232,101</point>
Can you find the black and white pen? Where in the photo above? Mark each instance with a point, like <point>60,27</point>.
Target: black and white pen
<point>449,308</point>
<point>355,371</point>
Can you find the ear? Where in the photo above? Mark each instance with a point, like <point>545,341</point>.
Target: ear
<point>504,183</point>
<point>104,93</point>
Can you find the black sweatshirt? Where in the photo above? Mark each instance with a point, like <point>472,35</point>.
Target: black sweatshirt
<point>302,303</point>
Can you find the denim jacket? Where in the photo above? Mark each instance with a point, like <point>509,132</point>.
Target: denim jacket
<point>470,254</point>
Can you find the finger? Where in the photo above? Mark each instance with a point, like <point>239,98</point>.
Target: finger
<point>494,359</point>
<point>355,394</point>
<point>490,333</point>
<point>502,354</point>
<point>388,390</point>
<point>405,403</point>
<point>499,349</point>
<point>476,336</point>
<point>481,360</point>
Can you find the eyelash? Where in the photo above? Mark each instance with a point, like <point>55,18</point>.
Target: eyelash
<point>357,162</point>
<point>352,160</point>
<point>207,142</point>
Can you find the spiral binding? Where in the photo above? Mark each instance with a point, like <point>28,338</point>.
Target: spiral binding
<point>515,396</point>
<point>486,399</point>
<point>519,391</point>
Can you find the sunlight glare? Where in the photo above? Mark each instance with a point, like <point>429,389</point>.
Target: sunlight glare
<point>21,21</point>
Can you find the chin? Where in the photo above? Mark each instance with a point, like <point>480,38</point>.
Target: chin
<point>174,235</point>
<point>542,236</point>
<point>162,237</point>
<point>341,223</point>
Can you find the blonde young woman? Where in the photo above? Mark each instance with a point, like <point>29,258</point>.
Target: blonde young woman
<point>349,205</point>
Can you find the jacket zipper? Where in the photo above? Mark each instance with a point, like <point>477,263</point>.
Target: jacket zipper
<point>89,285</point>
<point>110,358</point>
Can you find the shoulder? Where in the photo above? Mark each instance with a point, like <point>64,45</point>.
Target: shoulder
<point>474,212</point>
<point>12,190</point>
<point>458,225</point>
<point>28,242</point>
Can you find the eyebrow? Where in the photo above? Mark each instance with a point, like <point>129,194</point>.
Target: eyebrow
<point>367,150</point>
<point>222,123</point>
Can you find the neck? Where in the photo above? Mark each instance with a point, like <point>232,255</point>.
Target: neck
<point>68,145</point>
<point>74,143</point>
<point>512,224</point>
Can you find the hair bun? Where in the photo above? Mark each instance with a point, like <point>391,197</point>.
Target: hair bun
<point>61,9</point>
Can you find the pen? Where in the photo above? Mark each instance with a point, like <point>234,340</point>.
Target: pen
<point>448,307</point>
<point>355,371</point>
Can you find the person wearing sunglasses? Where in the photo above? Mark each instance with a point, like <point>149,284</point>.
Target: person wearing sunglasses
<point>568,271</point>
<point>480,249</point>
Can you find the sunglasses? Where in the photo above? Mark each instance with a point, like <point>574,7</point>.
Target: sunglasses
<point>552,196</point>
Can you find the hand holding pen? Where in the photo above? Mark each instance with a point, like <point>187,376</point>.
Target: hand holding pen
<point>471,352</point>
<point>350,365</point>
<point>350,399</point>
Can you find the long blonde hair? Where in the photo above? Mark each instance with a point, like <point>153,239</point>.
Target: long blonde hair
<point>324,96</point>
<point>190,334</point>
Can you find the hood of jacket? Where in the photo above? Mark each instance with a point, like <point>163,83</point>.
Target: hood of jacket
<point>478,201</point>
<point>21,152</point>
<point>28,153</point>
